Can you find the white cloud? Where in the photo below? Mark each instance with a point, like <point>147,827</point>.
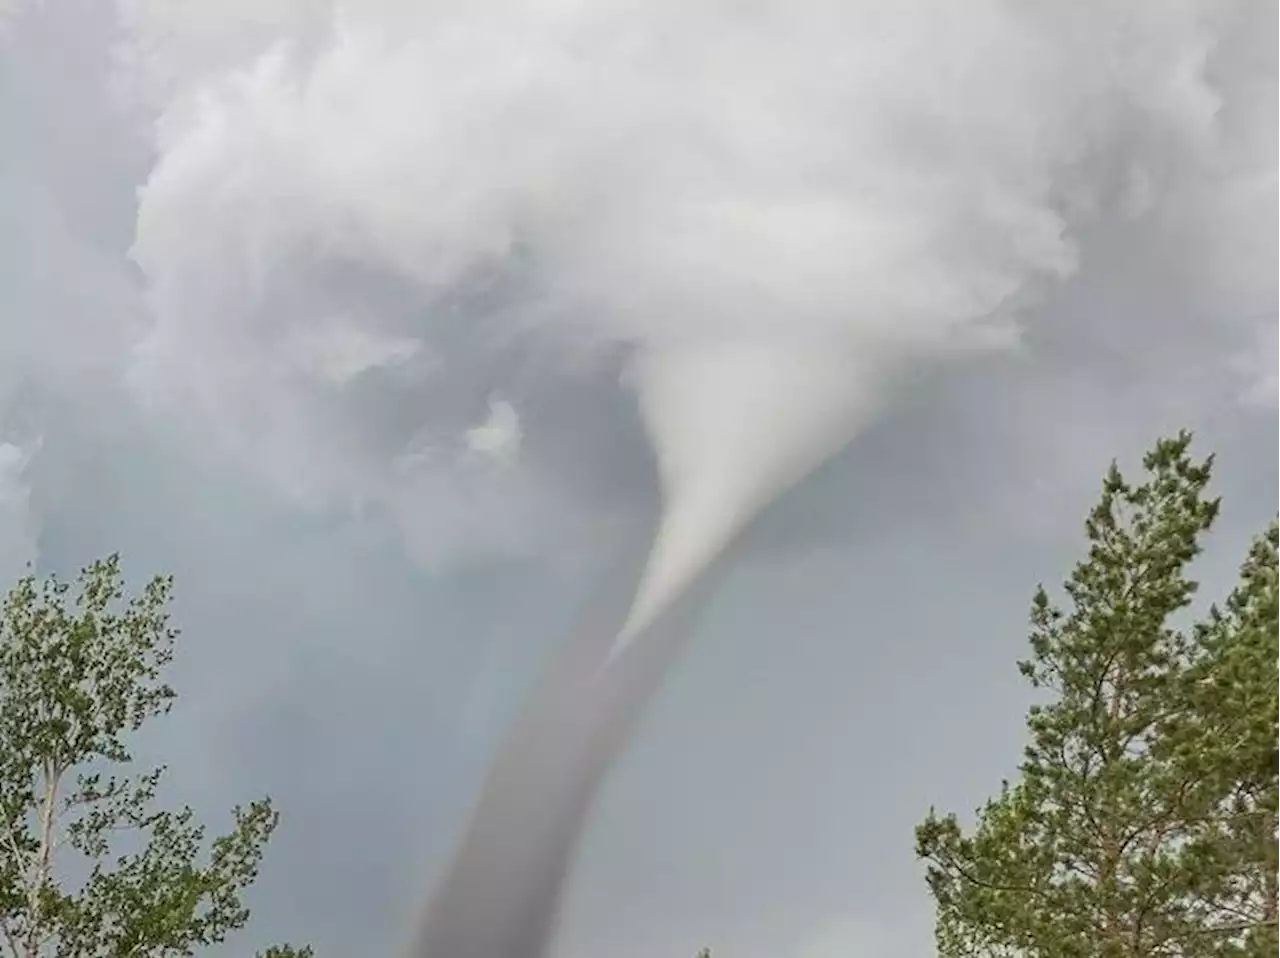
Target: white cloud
<point>886,180</point>
<point>339,351</point>
<point>499,435</point>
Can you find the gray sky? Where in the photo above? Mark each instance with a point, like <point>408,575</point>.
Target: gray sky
<point>359,625</point>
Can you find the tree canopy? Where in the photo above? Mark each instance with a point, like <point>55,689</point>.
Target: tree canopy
<point>1142,823</point>
<point>90,867</point>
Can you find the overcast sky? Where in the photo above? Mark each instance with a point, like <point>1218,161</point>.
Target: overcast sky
<point>384,503</point>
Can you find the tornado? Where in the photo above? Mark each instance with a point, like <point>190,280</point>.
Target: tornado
<point>732,428</point>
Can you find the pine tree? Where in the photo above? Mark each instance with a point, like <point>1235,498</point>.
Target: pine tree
<point>1143,821</point>
<point>1230,738</point>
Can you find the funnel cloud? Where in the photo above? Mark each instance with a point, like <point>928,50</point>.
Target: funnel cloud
<point>733,427</point>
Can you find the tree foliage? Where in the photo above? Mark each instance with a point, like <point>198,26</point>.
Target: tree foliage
<point>89,866</point>
<point>1143,821</point>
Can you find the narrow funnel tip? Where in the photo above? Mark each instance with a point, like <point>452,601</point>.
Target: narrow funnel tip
<point>733,426</point>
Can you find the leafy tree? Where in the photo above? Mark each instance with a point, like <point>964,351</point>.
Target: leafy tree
<point>89,867</point>
<point>1143,823</point>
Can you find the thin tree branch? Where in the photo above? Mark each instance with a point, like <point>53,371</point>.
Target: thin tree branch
<point>9,938</point>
